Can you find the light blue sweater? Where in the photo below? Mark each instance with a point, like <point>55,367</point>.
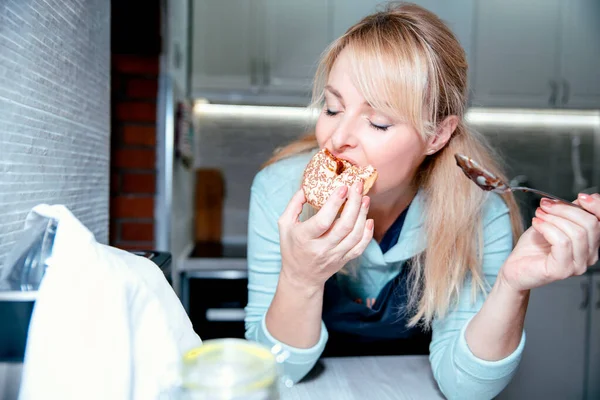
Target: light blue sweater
<point>458,372</point>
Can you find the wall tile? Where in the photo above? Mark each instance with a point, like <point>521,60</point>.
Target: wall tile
<point>54,112</point>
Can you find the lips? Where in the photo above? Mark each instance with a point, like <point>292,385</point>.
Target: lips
<point>351,161</point>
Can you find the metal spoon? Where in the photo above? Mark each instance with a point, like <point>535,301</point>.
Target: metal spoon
<point>490,182</point>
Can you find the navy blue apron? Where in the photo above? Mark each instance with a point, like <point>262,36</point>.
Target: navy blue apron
<point>355,329</point>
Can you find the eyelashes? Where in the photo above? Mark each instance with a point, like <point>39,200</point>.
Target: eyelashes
<point>379,127</point>
<point>382,128</point>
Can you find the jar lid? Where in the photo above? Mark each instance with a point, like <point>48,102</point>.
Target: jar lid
<point>233,365</point>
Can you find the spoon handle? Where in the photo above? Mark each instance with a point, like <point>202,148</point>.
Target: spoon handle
<point>541,193</point>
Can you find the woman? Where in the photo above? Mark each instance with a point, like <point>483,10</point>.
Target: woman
<point>423,264</point>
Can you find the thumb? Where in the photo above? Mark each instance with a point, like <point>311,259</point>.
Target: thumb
<point>590,203</point>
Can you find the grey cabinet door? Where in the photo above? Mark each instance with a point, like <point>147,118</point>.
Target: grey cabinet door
<point>553,363</point>
<point>516,53</point>
<point>593,373</point>
<point>346,13</point>
<point>580,54</point>
<point>224,45</point>
<point>295,34</point>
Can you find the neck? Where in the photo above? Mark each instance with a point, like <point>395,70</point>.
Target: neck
<point>386,208</point>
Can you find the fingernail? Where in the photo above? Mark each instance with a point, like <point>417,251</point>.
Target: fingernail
<point>365,202</point>
<point>546,203</point>
<point>536,220</point>
<point>370,224</point>
<point>359,187</point>
<point>585,197</point>
<point>343,191</point>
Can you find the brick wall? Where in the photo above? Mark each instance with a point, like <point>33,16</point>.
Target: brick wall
<point>54,112</point>
<point>134,73</point>
<point>133,149</point>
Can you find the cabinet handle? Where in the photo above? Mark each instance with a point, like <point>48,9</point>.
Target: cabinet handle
<point>266,74</point>
<point>553,92</point>
<point>253,73</point>
<point>598,289</point>
<point>566,92</point>
<point>585,287</point>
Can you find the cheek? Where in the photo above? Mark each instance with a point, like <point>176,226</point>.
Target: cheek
<point>396,162</point>
<point>323,129</point>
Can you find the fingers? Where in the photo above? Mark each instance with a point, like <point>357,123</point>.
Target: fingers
<point>358,231</point>
<point>561,252</point>
<point>575,234</point>
<point>292,212</point>
<point>587,221</point>
<point>322,221</point>
<point>349,219</point>
<point>359,248</point>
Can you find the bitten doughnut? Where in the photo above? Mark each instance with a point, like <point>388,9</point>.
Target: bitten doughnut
<point>325,173</point>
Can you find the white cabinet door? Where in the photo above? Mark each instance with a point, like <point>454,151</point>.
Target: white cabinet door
<point>553,363</point>
<point>516,53</point>
<point>296,33</point>
<point>224,45</point>
<point>593,375</point>
<point>580,58</point>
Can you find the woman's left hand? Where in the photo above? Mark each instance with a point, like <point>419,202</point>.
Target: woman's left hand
<point>563,241</point>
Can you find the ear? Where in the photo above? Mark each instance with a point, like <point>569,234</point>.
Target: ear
<point>443,133</point>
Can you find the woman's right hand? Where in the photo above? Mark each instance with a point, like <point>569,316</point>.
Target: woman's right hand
<point>314,250</point>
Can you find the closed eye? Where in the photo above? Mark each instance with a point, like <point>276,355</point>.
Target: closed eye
<point>331,113</point>
<point>380,127</point>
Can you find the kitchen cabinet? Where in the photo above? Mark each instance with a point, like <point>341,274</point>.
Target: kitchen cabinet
<point>296,33</point>
<point>244,50</point>
<point>349,12</point>
<point>266,51</point>
<point>224,45</point>
<point>593,375</point>
<point>534,54</point>
<point>538,54</point>
<point>556,359</point>
<point>580,55</point>
<point>515,56</point>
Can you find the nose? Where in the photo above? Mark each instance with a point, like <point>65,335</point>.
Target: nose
<point>344,136</point>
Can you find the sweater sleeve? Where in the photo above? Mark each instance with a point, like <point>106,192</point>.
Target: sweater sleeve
<point>458,372</point>
<point>264,265</point>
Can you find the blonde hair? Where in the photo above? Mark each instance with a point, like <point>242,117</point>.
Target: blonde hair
<point>407,63</point>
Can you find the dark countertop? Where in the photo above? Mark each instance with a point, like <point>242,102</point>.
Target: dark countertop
<point>218,250</point>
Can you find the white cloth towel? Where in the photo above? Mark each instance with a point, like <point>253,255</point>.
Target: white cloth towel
<point>106,323</point>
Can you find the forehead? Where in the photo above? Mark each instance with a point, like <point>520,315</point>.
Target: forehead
<point>342,62</point>
<point>341,69</point>
<point>343,78</point>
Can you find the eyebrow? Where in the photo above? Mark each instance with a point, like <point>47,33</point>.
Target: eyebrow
<point>334,92</point>
<point>339,96</point>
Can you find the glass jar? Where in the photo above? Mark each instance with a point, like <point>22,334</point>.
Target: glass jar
<point>229,369</point>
